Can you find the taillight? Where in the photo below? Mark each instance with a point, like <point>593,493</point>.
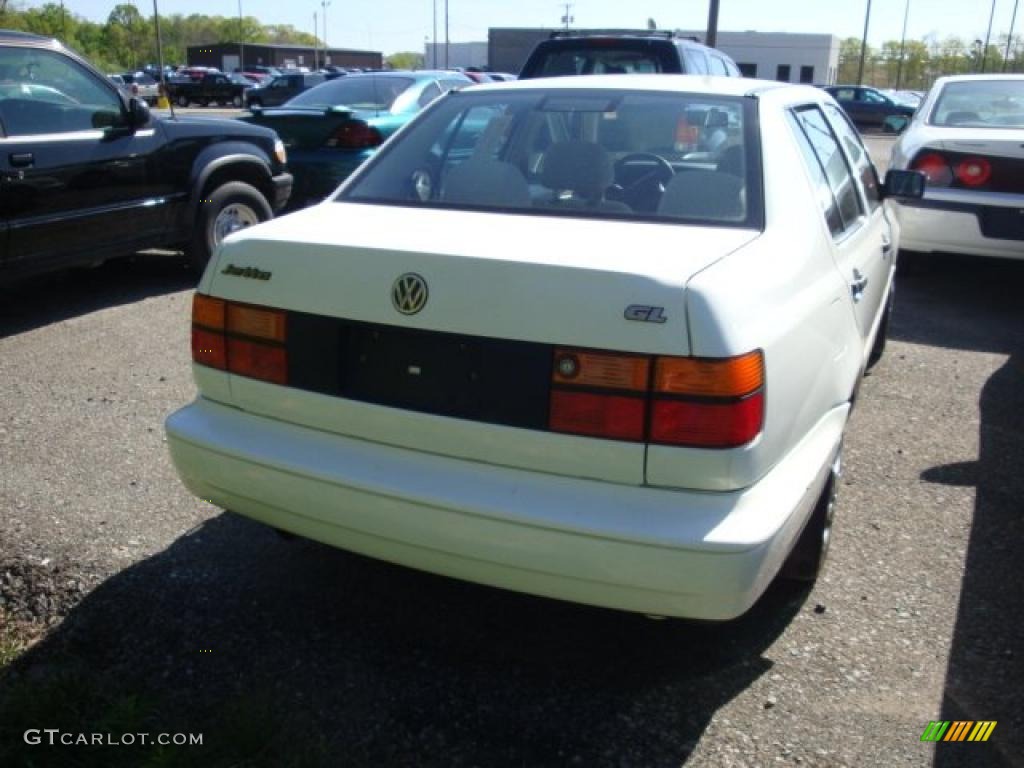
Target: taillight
<point>953,169</point>
<point>240,338</point>
<point>684,401</point>
<point>973,171</point>
<point>355,134</point>
<point>935,167</point>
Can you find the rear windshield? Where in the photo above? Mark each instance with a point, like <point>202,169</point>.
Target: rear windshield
<point>362,93</point>
<point>981,104</point>
<point>598,59</point>
<point>676,157</point>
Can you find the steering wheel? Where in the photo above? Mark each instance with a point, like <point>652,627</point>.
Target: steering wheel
<point>643,192</point>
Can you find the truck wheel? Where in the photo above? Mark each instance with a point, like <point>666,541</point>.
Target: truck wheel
<point>181,101</point>
<point>229,208</point>
<point>236,102</point>
<point>807,560</point>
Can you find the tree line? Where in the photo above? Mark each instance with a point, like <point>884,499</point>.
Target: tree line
<point>127,40</point>
<point>925,60</point>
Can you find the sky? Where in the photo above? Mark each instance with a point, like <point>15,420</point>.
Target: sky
<point>404,25</point>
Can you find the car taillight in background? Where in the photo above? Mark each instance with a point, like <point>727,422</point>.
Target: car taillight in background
<point>355,134</point>
<point>948,169</point>
<point>240,338</point>
<point>685,401</point>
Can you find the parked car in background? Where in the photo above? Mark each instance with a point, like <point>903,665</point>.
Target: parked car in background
<point>142,85</point>
<point>87,173</point>
<point>282,88</point>
<point>868,106</point>
<point>968,139</point>
<point>642,52</point>
<point>476,361</point>
<point>331,129</point>
<point>211,88</point>
<point>248,81</point>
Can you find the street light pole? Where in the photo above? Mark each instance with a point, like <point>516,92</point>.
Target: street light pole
<point>241,37</point>
<point>446,34</point>
<point>1009,37</point>
<point>711,38</point>
<point>433,40</point>
<point>316,41</point>
<point>863,45</point>
<point>988,35</point>
<point>903,44</point>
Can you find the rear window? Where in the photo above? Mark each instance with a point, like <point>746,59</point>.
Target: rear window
<point>981,104</point>
<point>592,61</point>
<point>361,93</point>
<point>675,157</point>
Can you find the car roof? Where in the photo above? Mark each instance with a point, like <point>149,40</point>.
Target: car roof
<point>970,78</point>
<point>710,84</point>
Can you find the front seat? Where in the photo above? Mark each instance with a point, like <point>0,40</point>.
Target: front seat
<point>583,169</point>
<point>706,195</point>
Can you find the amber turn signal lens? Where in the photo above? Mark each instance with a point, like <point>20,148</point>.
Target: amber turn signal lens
<point>593,369</point>
<point>208,311</point>
<point>257,322</point>
<point>727,377</point>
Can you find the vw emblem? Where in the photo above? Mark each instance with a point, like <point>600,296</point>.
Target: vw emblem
<point>409,293</point>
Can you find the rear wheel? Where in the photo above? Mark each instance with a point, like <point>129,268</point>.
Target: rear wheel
<point>807,560</point>
<point>236,102</point>
<point>229,208</point>
<point>182,101</point>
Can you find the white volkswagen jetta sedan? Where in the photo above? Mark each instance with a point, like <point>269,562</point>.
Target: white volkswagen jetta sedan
<point>968,139</point>
<point>548,340</point>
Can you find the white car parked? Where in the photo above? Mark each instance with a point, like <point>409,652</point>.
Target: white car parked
<point>967,137</point>
<point>547,341</point>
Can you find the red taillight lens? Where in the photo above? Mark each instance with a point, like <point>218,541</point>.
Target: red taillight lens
<point>707,425</point>
<point>584,413</point>
<point>355,134</point>
<point>973,171</point>
<point>240,338</point>
<point>935,167</point>
<point>697,402</point>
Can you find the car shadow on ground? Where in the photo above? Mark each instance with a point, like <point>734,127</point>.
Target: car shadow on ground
<point>292,653</point>
<point>57,296</point>
<point>985,674</point>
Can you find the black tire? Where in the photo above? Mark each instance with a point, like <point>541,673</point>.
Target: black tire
<point>254,103</point>
<point>236,102</point>
<point>807,559</point>
<point>231,206</point>
<point>181,101</point>
<point>878,348</point>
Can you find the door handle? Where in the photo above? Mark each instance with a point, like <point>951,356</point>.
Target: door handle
<point>860,282</point>
<point>21,159</point>
<point>886,247</point>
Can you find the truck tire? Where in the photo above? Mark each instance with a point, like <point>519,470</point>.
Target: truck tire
<point>232,206</point>
<point>181,101</point>
<point>236,102</point>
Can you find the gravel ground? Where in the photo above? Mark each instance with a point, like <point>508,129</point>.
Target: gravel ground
<point>288,652</point>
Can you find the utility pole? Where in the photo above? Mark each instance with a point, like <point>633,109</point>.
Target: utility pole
<point>988,36</point>
<point>446,34</point>
<point>903,45</point>
<point>241,38</point>
<point>433,40</point>
<point>567,19</point>
<point>711,38</point>
<point>863,46</point>
<point>324,4</point>
<point>316,42</point>
<point>1009,37</point>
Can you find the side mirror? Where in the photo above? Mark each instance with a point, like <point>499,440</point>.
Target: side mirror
<point>895,124</point>
<point>138,113</point>
<point>903,184</point>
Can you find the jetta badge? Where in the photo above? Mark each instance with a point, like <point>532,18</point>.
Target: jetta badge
<point>409,293</point>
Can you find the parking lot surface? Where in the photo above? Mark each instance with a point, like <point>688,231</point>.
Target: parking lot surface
<point>148,610</point>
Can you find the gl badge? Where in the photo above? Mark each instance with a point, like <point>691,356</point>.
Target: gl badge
<point>409,293</point>
<point>645,314</point>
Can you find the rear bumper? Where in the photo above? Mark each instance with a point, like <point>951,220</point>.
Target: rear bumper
<point>674,553</point>
<point>948,226</point>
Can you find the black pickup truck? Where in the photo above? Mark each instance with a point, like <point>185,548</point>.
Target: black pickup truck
<point>87,173</point>
<point>211,88</point>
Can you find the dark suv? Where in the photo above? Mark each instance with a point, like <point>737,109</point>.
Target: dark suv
<point>281,88</point>
<point>623,52</point>
<point>86,173</point>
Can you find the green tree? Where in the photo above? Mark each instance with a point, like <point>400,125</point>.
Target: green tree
<point>405,60</point>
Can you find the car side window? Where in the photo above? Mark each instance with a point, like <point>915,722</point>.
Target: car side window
<point>843,94</point>
<point>718,66</point>
<point>696,62</point>
<point>872,98</point>
<point>857,153</point>
<point>826,147</point>
<point>430,93</point>
<point>42,92</point>
<point>822,189</point>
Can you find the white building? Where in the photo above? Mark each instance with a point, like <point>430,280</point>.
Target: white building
<point>459,55</point>
<point>791,58</point>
